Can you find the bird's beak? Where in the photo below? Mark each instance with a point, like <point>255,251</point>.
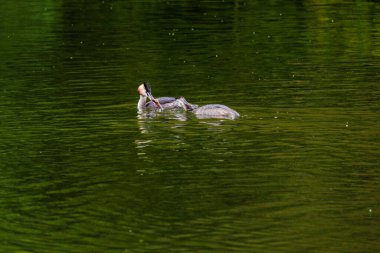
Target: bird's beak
<point>150,96</point>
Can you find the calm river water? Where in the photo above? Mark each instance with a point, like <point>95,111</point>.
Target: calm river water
<point>299,171</point>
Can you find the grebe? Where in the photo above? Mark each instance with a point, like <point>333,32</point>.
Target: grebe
<point>203,112</point>
<point>211,111</point>
<point>144,91</point>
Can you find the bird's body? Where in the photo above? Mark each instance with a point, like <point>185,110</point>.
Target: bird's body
<point>165,102</point>
<point>216,111</point>
<point>211,111</point>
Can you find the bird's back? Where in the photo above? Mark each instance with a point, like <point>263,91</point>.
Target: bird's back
<point>216,111</point>
<point>162,100</point>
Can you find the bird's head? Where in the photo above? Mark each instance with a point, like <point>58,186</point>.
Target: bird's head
<point>145,91</point>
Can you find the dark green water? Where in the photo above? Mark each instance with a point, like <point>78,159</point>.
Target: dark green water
<point>299,171</point>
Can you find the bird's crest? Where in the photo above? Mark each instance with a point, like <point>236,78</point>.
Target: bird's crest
<point>147,87</point>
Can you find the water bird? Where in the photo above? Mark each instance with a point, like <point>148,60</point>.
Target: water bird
<point>145,92</point>
<point>206,111</point>
<point>211,110</point>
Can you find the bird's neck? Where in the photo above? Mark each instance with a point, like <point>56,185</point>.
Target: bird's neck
<point>141,103</point>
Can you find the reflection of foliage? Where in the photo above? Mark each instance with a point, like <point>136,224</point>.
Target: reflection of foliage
<point>191,33</point>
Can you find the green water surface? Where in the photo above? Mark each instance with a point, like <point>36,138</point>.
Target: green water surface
<point>81,171</point>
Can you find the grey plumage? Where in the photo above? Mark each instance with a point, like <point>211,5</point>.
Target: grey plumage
<point>216,111</point>
<point>165,102</point>
<point>211,111</point>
